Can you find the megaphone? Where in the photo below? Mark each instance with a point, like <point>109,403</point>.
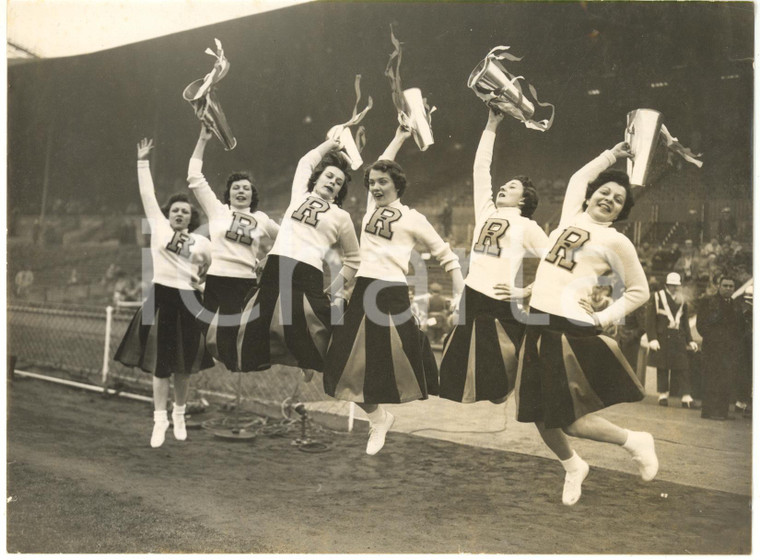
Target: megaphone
<point>200,94</point>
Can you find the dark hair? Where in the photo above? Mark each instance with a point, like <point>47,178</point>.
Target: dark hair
<point>725,276</point>
<point>530,196</point>
<point>391,168</point>
<point>239,176</point>
<point>613,176</point>
<point>332,159</point>
<point>195,217</point>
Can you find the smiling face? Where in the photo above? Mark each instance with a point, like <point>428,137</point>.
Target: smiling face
<point>329,183</point>
<point>381,187</point>
<point>606,202</point>
<point>241,192</point>
<point>180,214</point>
<point>510,194</point>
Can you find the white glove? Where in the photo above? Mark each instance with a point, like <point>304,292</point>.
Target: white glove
<point>654,345</point>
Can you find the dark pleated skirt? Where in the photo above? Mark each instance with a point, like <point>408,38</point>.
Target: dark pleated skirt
<point>480,356</point>
<point>379,355</point>
<point>566,371</point>
<point>286,320</point>
<point>164,336</point>
<point>223,300</point>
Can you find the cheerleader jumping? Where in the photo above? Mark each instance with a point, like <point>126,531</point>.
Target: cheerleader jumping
<point>287,320</point>
<point>378,354</point>
<point>568,369</point>
<point>236,228</point>
<point>480,356</point>
<point>164,338</point>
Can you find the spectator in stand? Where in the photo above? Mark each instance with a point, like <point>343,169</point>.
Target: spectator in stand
<point>24,280</point>
<point>446,215</point>
<point>721,323</point>
<point>686,265</point>
<point>734,245</point>
<point>665,258</point>
<point>437,312</point>
<point>712,247</point>
<point>645,252</point>
<point>708,269</point>
<point>126,289</point>
<point>726,256</point>
<point>111,274</point>
<point>726,223</point>
<point>669,338</point>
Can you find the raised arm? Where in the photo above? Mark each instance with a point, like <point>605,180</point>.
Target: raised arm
<point>576,187</point>
<point>401,135</point>
<point>195,179</point>
<point>145,181</point>
<point>482,188</point>
<point>306,167</point>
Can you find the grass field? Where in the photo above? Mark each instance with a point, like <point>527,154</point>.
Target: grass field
<point>81,478</point>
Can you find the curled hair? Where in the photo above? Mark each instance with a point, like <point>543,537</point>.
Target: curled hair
<point>529,201</point>
<point>240,176</point>
<point>195,217</point>
<point>393,169</point>
<point>332,159</point>
<point>612,176</point>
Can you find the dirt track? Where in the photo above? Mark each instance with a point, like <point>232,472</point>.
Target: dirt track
<point>417,496</point>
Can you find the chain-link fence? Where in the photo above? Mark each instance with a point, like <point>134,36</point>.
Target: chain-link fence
<point>79,342</point>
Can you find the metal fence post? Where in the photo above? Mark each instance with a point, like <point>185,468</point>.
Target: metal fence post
<point>107,344</point>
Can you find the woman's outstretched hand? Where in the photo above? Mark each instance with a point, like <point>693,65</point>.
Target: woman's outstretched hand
<point>144,147</point>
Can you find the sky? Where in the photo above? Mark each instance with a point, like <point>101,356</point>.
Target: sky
<point>53,28</point>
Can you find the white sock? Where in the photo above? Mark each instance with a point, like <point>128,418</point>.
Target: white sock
<point>574,463</point>
<point>576,471</point>
<point>178,410</point>
<point>664,395</point>
<point>687,398</point>
<point>160,416</point>
<point>376,416</point>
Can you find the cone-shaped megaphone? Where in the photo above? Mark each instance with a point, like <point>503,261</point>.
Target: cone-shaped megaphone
<point>642,133</point>
<point>200,94</point>
<point>210,113</point>
<point>489,82</point>
<point>418,118</point>
<point>348,146</point>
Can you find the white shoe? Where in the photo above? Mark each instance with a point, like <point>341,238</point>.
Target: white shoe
<point>180,430</point>
<point>377,434</point>
<point>159,433</point>
<point>571,493</point>
<point>641,447</point>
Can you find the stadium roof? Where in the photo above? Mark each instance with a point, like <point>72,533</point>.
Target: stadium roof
<point>56,28</point>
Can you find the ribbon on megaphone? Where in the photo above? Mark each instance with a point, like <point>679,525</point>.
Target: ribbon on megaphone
<point>674,146</point>
<point>221,67</point>
<point>397,93</point>
<point>500,53</point>
<point>357,116</point>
